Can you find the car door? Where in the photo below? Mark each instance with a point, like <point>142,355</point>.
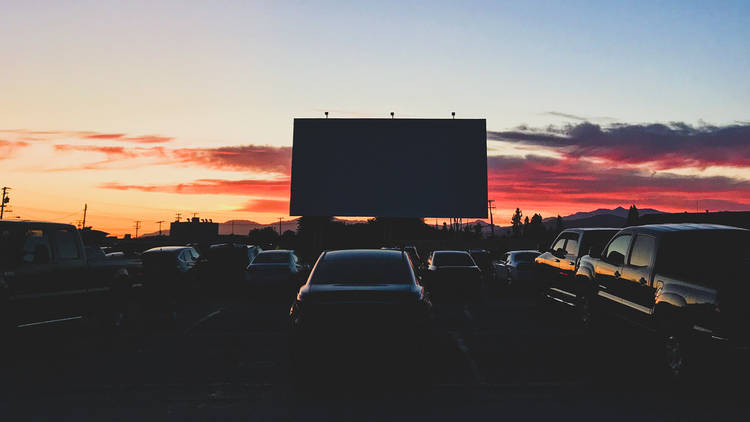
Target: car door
<point>637,281</point>
<point>550,261</point>
<point>71,278</point>
<point>609,272</point>
<point>28,278</point>
<point>566,269</point>
<point>501,268</point>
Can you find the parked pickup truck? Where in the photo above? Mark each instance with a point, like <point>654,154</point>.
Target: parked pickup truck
<point>555,269</point>
<point>686,282</point>
<point>46,278</point>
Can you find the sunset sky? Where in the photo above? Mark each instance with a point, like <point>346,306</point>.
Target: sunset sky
<point>143,110</point>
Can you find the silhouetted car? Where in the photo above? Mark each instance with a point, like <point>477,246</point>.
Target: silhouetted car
<point>46,277</point>
<point>556,268</point>
<point>453,276</point>
<point>483,259</point>
<point>365,288</point>
<point>515,267</point>
<point>170,276</point>
<point>227,263</point>
<point>416,261</point>
<point>276,269</point>
<point>687,282</point>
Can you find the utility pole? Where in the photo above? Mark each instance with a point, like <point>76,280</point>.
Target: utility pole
<point>4,201</point>
<point>159,223</point>
<point>280,225</point>
<point>178,216</point>
<point>85,208</point>
<point>491,206</point>
<point>137,226</point>
<point>232,227</point>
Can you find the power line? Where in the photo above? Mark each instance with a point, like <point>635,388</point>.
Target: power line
<point>83,224</point>
<point>4,201</point>
<point>491,206</point>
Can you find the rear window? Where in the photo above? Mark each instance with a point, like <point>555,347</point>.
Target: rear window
<point>272,258</point>
<point>452,259</point>
<point>362,269</point>
<point>595,240</point>
<point>705,257</point>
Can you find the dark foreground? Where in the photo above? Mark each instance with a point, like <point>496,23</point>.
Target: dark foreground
<point>230,360</point>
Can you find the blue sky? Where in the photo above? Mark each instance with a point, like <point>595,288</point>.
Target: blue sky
<point>210,79</point>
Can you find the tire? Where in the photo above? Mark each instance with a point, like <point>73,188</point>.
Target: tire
<point>675,348</point>
<point>585,311</point>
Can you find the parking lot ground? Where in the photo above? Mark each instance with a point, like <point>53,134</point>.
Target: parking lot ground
<point>229,359</point>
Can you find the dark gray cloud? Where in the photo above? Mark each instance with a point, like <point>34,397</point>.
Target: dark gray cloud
<point>671,145</point>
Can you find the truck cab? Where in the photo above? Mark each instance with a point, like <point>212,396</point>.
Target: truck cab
<point>556,268</point>
<point>683,281</point>
<point>45,277</point>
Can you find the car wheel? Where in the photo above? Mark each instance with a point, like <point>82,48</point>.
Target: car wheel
<point>676,349</point>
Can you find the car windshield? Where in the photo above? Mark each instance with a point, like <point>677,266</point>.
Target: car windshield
<point>525,256</point>
<point>452,259</point>
<point>362,269</point>
<point>272,258</point>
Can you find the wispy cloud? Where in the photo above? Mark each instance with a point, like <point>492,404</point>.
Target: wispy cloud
<point>579,118</point>
<point>8,148</point>
<point>58,135</point>
<point>248,187</point>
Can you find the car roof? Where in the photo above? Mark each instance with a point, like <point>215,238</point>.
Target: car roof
<point>524,251</point>
<point>360,253</point>
<point>591,229</point>
<point>167,249</point>
<point>45,223</point>
<point>451,251</point>
<point>276,251</point>
<point>667,228</point>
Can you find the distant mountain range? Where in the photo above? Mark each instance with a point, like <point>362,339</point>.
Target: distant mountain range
<point>619,211</point>
<point>601,217</point>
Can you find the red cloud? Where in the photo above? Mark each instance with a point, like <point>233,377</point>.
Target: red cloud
<point>7,148</point>
<point>106,136</point>
<point>278,206</point>
<point>53,135</point>
<point>549,183</point>
<point>146,139</point>
<point>251,187</point>
<point>254,157</point>
<point>116,151</point>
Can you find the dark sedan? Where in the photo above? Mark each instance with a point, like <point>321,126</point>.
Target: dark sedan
<point>372,288</point>
<point>170,276</point>
<point>359,307</point>
<point>453,276</point>
<point>279,270</point>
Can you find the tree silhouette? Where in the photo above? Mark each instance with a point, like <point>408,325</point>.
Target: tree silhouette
<point>536,227</point>
<point>516,222</point>
<point>559,225</point>
<point>632,216</point>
